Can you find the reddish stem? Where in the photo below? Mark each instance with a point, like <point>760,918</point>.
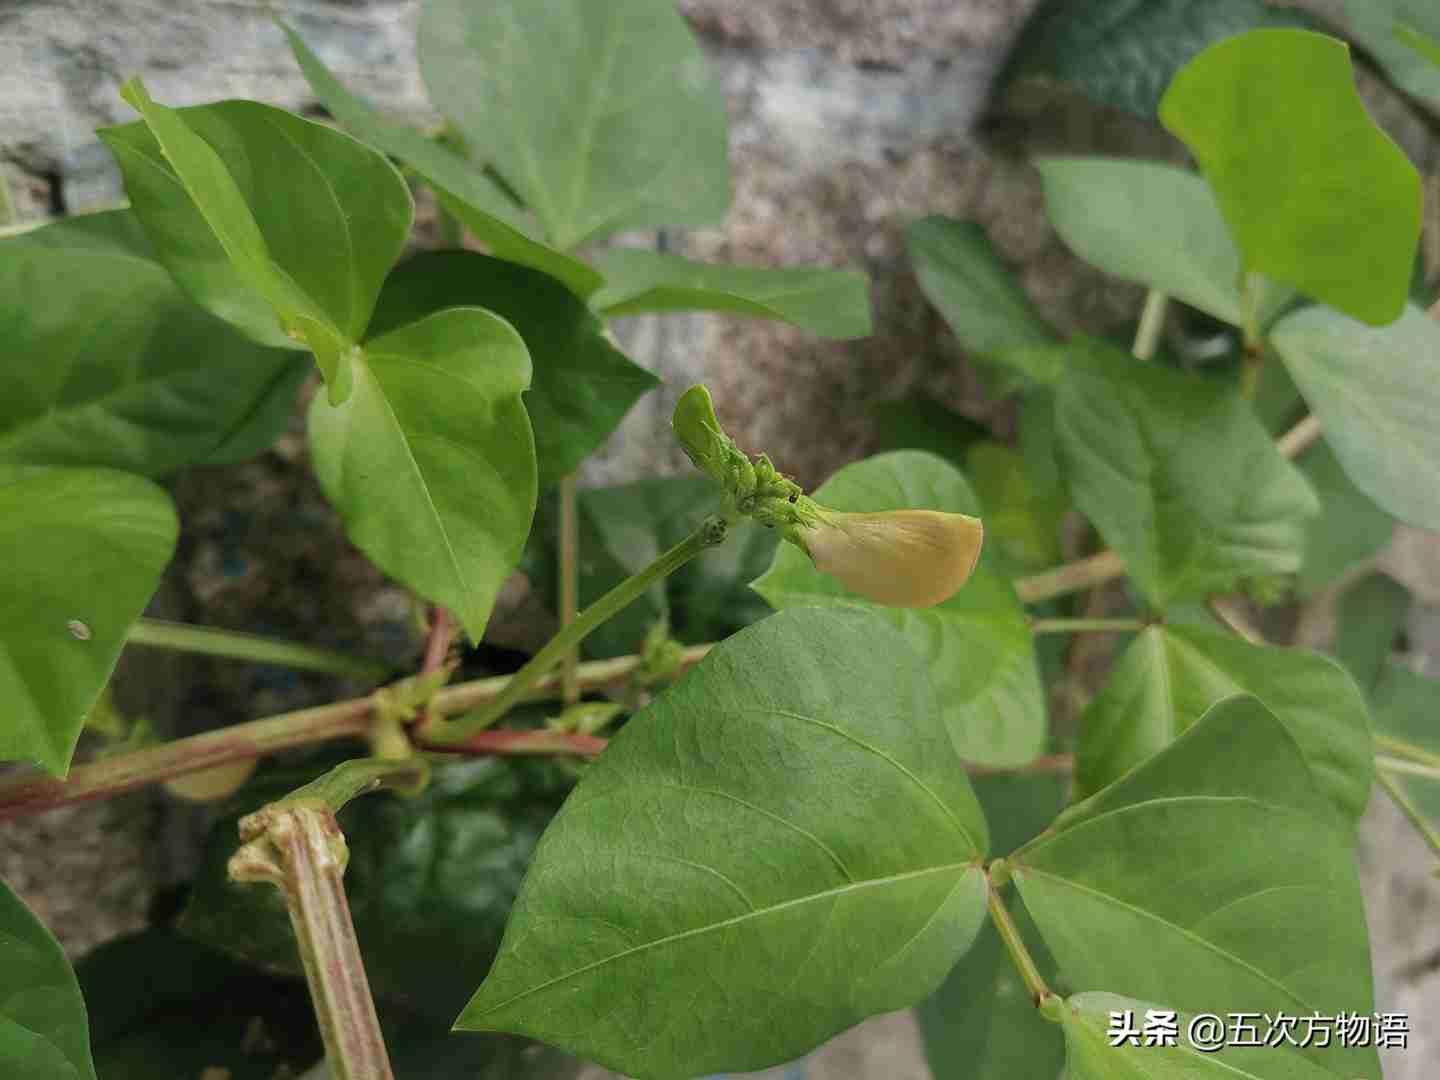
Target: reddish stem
<point>500,741</point>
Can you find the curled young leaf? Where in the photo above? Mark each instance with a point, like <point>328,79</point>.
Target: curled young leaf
<point>900,558</point>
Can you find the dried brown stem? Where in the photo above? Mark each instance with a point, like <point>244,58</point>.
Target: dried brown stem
<point>301,850</point>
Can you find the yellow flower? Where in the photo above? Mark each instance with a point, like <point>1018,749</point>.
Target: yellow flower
<point>900,558</point>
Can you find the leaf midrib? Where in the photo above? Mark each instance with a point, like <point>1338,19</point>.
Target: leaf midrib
<point>670,939</point>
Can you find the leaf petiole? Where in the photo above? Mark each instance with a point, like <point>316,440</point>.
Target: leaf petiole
<point>1014,942</point>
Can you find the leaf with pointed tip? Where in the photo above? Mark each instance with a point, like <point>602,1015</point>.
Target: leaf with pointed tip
<point>1375,392</point>
<point>43,1033</point>
<point>979,296</point>
<point>978,643</point>
<point>582,386</point>
<point>1204,878</point>
<point>1178,475</point>
<point>1368,618</point>
<point>602,116</point>
<point>831,303</point>
<point>81,553</point>
<point>303,260</point>
<point>173,386</point>
<point>1171,675</point>
<point>431,461</point>
<point>1150,223</point>
<point>709,860</point>
<point>464,190</point>
<point>1094,1055</point>
<point>1342,228</point>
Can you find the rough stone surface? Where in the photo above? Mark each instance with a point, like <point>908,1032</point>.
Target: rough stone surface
<point>849,119</point>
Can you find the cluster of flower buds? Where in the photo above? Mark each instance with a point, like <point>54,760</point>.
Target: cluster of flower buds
<point>901,558</point>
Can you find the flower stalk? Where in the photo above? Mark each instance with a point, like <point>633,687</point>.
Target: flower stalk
<point>439,733</point>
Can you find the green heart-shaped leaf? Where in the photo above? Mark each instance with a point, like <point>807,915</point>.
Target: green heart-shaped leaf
<point>602,116</point>
<point>1150,223</point>
<point>81,553</point>
<point>172,386</point>
<point>1204,879</point>
<point>43,1033</point>
<point>1178,475</point>
<point>463,190</point>
<point>431,461</point>
<point>1171,675</point>
<point>1377,397</point>
<point>1263,113</point>
<point>711,859</point>
<point>299,261</point>
<point>831,303</point>
<point>978,643</point>
<point>583,385</point>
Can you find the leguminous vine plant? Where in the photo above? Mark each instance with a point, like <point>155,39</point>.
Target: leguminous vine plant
<point>850,805</point>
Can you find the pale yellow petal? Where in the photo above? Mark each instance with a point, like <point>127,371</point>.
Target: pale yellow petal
<point>900,558</point>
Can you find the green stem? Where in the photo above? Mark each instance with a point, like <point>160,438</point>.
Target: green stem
<point>1253,356</point>
<point>1152,321</point>
<point>351,779</point>
<point>1409,809</point>
<point>711,532</point>
<point>1072,577</point>
<point>569,584</point>
<point>1408,768</point>
<point>1015,944</point>
<point>1080,626</point>
<point>235,645</point>
<point>1407,750</point>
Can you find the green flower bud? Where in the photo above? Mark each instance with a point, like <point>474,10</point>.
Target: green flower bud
<point>702,438</point>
